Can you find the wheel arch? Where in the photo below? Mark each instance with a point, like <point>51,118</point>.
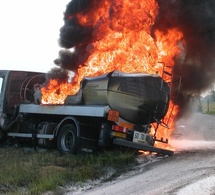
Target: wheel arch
<point>68,120</point>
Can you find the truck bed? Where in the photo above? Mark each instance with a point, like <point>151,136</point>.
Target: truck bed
<point>75,110</point>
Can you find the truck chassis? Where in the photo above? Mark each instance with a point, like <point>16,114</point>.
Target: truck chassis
<point>84,127</point>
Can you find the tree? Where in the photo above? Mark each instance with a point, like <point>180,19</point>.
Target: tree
<point>213,95</point>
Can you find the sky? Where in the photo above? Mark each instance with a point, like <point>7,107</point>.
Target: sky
<point>29,33</point>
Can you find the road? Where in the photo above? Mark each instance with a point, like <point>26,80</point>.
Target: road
<point>191,170</point>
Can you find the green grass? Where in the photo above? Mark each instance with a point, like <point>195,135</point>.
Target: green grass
<point>29,172</point>
<point>209,108</point>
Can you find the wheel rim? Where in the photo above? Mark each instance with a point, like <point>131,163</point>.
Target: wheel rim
<point>67,141</point>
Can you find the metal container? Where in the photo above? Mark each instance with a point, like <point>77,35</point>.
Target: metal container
<point>138,97</point>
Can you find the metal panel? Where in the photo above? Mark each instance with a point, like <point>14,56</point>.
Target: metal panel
<point>94,111</point>
<point>30,135</point>
<point>137,97</point>
<point>141,146</point>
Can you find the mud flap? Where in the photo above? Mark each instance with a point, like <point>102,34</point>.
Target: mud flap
<point>86,145</point>
<point>140,146</point>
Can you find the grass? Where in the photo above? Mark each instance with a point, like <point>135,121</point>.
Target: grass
<point>29,172</point>
<point>209,108</point>
<point>210,112</point>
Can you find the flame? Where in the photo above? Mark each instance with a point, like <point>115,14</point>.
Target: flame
<point>122,40</point>
<point>165,130</point>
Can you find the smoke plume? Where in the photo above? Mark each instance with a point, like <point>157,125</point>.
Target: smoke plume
<point>190,134</point>
<point>194,18</point>
<point>75,35</point>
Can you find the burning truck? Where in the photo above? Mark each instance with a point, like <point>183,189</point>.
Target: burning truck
<point>115,108</point>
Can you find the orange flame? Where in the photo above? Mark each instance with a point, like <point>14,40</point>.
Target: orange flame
<point>121,41</point>
<point>164,131</point>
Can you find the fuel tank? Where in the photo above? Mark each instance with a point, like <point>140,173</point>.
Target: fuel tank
<point>139,98</point>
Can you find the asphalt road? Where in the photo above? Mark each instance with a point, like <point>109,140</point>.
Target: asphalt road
<point>191,170</point>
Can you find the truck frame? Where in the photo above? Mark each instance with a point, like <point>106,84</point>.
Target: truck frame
<point>72,128</point>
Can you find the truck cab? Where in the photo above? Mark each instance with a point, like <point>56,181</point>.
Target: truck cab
<point>16,87</point>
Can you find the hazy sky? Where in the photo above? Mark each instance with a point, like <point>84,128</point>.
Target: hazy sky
<point>29,33</point>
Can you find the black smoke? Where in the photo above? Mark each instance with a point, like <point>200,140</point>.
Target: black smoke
<point>196,19</point>
<point>75,35</point>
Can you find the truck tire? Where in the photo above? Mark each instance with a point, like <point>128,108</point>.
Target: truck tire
<point>67,139</point>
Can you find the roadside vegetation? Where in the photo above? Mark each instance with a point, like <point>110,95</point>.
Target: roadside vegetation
<point>208,107</point>
<point>26,171</point>
<point>205,105</point>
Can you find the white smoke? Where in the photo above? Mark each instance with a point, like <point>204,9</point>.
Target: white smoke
<point>188,144</point>
<point>196,132</point>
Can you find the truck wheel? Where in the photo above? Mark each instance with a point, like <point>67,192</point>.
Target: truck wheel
<point>67,139</point>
